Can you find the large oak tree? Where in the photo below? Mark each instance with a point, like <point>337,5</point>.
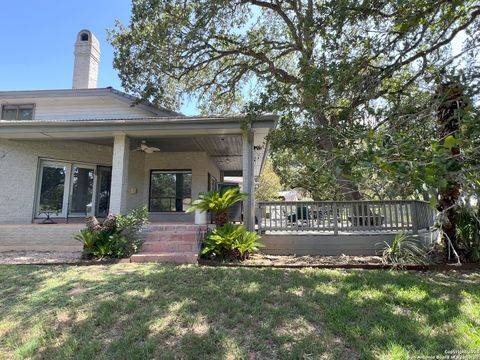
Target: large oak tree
<point>357,84</point>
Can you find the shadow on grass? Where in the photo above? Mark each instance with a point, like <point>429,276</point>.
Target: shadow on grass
<point>154,311</point>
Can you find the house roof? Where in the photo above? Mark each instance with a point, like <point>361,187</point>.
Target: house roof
<point>108,91</point>
<point>166,123</point>
<point>234,118</point>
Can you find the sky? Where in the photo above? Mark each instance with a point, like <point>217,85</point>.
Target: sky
<point>38,42</point>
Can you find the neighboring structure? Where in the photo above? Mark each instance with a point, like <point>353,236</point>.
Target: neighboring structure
<point>88,151</point>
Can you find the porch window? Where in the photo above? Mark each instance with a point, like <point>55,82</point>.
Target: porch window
<point>170,191</point>
<point>52,187</point>
<point>17,112</point>
<point>73,189</point>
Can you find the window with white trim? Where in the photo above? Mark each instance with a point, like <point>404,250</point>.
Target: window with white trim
<point>17,112</point>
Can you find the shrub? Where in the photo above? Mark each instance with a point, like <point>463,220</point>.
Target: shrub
<point>468,232</point>
<point>117,237</point>
<point>404,250</point>
<point>89,240</point>
<point>218,202</point>
<point>231,242</point>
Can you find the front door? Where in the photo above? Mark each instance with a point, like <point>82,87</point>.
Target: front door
<point>104,180</point>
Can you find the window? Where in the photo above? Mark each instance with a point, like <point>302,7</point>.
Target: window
<point>17,112</point>
<point>212,182</point>
<point>170,190</point>
<point>52,186</point>
<point>84,37</point>
<point>71,189</point>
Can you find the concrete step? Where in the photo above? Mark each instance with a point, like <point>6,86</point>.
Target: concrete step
<point>171,257</point>
<point>169,246</point>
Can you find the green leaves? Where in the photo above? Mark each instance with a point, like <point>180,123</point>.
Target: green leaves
<point>217,201</point>
<point>354,82</point>
<point>450,142</point>
<point>404,250</point>
<point>116,237</point>
<point>231,241</point>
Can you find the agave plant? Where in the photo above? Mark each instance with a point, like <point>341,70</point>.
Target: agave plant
<point>404,250</point>
<point>218,202</point>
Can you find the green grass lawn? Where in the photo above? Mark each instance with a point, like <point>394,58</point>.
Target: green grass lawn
<point>130,311</point>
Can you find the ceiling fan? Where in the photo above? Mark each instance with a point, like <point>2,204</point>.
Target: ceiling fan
<point>146,149</point>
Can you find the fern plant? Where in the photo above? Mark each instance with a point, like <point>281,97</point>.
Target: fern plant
<point>404,250</point>
<point>218,202</point>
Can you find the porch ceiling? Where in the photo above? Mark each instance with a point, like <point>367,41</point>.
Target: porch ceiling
<point>224,150</point>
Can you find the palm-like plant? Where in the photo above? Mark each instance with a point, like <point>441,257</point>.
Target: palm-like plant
<point>404,250</point>
<point>231,242</point>
<point>218,202</point>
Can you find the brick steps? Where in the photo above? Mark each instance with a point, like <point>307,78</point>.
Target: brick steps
<point>170,243</point>
<point>167,246</point>
<point>172,236</point>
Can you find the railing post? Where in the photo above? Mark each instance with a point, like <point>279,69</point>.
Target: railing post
<point>413,210</point>
<point>335,219</point>
<point>259,218</point>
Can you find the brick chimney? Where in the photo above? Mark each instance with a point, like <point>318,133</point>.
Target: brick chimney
<point>87,58</point>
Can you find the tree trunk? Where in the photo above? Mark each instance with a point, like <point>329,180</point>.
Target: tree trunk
<point>221,218</point>
<point>327,141</point>
<point>348,188</point>
<point>451,99</point>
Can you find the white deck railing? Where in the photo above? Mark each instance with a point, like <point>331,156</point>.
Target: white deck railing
<point>344,216</point>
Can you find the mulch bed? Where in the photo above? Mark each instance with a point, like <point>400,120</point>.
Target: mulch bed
<point>332,262</point>
<point>256,261</point>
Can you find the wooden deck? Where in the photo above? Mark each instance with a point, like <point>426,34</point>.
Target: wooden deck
<point>344,216</point>
<point>340,227</point>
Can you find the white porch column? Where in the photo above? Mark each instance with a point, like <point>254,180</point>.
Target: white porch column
<point>248,181</point>
<point>119,186</point>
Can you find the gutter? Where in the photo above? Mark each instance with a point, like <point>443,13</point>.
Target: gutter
<point>133,121</point>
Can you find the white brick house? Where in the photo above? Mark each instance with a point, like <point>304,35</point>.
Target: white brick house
<point>75,151</point>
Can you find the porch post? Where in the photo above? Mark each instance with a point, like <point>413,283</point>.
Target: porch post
<point>248,181</point>
<point>119,185</point>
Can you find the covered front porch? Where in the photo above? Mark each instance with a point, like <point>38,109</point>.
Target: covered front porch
<point>96,167</point>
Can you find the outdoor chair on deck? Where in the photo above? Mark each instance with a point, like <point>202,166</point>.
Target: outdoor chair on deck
<point>372,219</point>
<point>302,216</point>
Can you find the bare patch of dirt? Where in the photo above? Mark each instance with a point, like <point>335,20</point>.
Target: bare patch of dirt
<point>40,257</point>
<point>77,291</point>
